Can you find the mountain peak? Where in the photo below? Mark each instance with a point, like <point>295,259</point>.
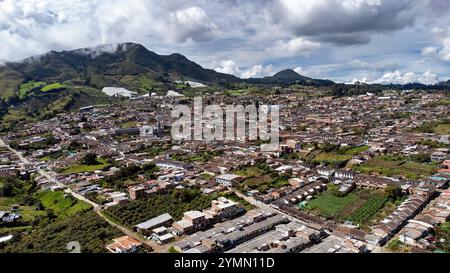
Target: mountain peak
<point>289,74</point>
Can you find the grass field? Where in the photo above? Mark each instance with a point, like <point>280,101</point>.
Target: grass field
<point>60,204</point>
<point>356,150</point>
<point>331,157</point>
<point>85,168</point>
<point>411,170</point>
<point>249,172</point>
<point>237,93</point>
<point>52,86</point>
<point>262,183</point>
<point>328,205</point>
<point>27,87</point>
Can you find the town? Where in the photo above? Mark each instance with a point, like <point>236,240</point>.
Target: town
<point>351,174</point>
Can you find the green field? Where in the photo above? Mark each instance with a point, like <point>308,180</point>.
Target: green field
<point>85,168</point>
<point>27,87</point>
<point>331,158</point>
<point>368,209</point>
<point>328,205</point>
<point>249,172</point>
<point>237,93</point>
<point>52,86</point>
<point>356,150</point>
<point>390,167</point>
<point>62,205</point>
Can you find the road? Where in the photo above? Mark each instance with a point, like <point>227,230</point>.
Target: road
<point>51,177</point>
<point>97,208</point>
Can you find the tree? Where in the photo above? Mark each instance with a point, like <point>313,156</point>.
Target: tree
<point>393,192</point>
<point>90,159</point>
<point>7,190</point>
<point>421,158</point>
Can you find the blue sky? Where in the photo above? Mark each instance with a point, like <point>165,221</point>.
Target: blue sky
<point>375,41</point>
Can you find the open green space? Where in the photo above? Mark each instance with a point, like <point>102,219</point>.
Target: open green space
<point>356,150</point>
<point>25,88</point>
<point>368,209</point>
<point>200,157</point>
<point>80,168</point>
<point>328,205</point>
<point>390,166</point>
<point>53,86</point>
<point>331,157</point>
<point>250,172</point>
<point>61,204</point>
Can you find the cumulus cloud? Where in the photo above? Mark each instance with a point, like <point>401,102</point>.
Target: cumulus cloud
<point>397,77</point>
<point>256,71</point>
<point>292,47</point>
<point>285,33</point>
<point>351,21</point>
<point>33,27</point>
<point>228,67</point>
<point>442,48</point>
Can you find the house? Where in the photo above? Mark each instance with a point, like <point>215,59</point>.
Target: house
<point>168,164</point>
<point>162,235</point>
<point>228,180</point>
<point>325,172</point>
<point>224,209</point>
<point>296,182</point>
<point>344,175</point>
<point>293,144</point>
<point>439,156</point>
<point>125,244</point>
<point>192,221</point>
<point>162,220</point>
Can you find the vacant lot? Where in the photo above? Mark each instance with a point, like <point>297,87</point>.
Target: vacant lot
<point>390,167</point>
<point>359,206</point>
<point>85,168</point>
<point>332,158</point>
<point>60,204</point>
<point>329,206</point>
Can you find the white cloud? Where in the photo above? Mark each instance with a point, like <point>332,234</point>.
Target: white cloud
<point>294,47</point>
<point>280,32</point>
<point>31,27</point>
<point>228,67</point>
<point>430,51</point>
<point>397,77</point>
<point>256,71</point>
<point>442,48</point>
